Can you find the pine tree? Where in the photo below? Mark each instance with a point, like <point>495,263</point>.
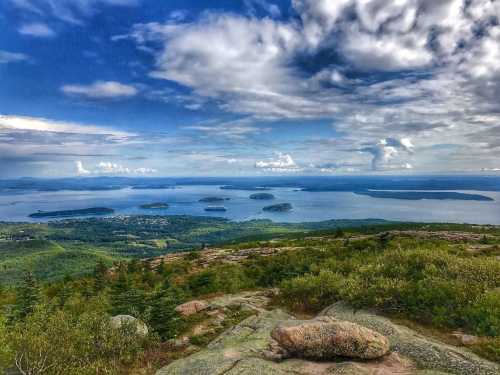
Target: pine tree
<point>148,276</point>
<point>163,318</point>
<point>27,296</point>
<point>125,297</point>
<point>118,295</point>
<point>99,276</point>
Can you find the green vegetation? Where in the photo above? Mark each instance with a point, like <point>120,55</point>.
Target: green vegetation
<point>442,279</point>
<point>52,250</point>
<point>82,212</point>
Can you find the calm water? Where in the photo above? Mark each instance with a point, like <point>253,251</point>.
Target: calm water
<point>308,206</point>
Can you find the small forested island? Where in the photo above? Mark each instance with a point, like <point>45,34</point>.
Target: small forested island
<point>80,212</point>
<point>262,196</point>
<point>249,188</point>
<point>419,195</point>
<point>154,206</point>
<point>216,209</point>
<point>282,207</point>
<point>213,199</point>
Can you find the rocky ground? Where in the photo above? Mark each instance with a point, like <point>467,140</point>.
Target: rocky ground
<point>340,340</point>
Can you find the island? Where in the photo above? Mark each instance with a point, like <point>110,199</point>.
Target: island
<point>67,213</point>
<point>216,209</point>
<point>261,196</point>
<point>154,206</point>
<point>213,199</point>
<point>282,207</point>
<point>419,195</point>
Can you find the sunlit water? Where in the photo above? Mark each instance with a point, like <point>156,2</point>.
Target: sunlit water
<point>307,206</point>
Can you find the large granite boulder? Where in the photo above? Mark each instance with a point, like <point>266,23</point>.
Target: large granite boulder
<point>328,338</point>
<point>191,308</point>
<point>120,321</point>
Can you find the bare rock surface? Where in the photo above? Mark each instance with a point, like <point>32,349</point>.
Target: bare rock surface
<point>241,350</point>
<point>425,352</point>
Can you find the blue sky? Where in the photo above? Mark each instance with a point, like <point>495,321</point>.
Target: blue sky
<point>251,87</point>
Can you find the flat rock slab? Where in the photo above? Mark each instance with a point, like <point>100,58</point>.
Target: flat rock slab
<point>425,352</point>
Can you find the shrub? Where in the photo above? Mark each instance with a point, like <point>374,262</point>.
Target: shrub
<point>484,316</point>
<point>61,342</point>
<point>312,292</point>
<point>6,354</point>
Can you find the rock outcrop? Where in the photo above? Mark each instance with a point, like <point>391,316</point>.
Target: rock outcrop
<point>119,321</point>
<point>241,350</point>
<point>327,338</point>
<point>425,352</point>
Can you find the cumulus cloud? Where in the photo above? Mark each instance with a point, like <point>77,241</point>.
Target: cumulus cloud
<point>80,169</point>
<point>101,90</point>
<point>7,57</point>
<point>387,74</point>
<point>387,149</point>
<point>38,30</point>
<point>282,163</point>
<point>110,168</point>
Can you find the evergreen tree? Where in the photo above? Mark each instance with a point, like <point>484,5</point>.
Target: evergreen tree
<point>119,294</point>
<point>27,296</point>
<point>339,233</point>
<point>148,276</point>
<point>163,318</point>
<point>100,276</point>
<point>162,269</point>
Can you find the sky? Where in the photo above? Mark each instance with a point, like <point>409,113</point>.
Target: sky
<point>250,87</point>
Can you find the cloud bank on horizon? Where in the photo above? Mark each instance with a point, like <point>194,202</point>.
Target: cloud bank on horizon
<point>249,87</point>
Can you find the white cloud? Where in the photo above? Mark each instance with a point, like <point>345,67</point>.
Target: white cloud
<point>7,57</point>
<point>80,170</point>
<point>387,149</point>
<point>490,169</point>
<point>283,163</point>
<point>39,30</point>
<point>101,90</point>
<point>22,123</point>
<point>110,168</point>
<point>391,73</point>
